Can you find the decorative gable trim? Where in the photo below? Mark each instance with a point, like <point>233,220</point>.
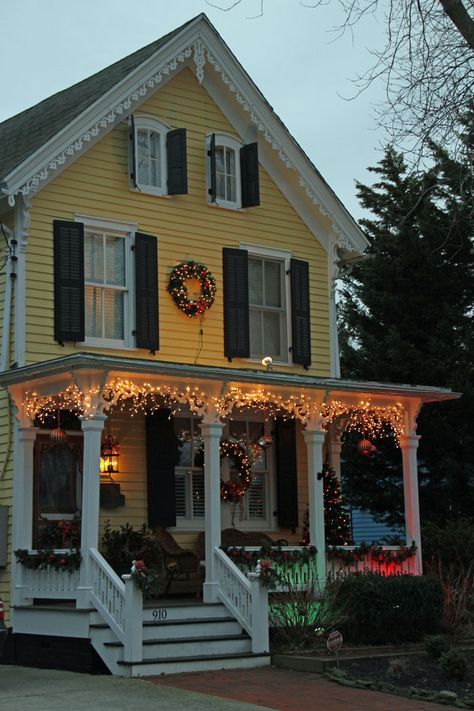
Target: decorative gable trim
<point>197,44</point>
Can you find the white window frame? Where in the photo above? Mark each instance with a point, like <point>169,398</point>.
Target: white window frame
<point>127,232</point>
<point>270,523</point>
<point>152,124</point>
<point>226,141</point>
<point>284,257</point>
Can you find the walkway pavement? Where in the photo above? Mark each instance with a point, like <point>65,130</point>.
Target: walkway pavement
<point>26,689</point>
<point>286,690</point>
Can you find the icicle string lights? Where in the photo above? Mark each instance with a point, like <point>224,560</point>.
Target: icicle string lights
<point>137,397</point>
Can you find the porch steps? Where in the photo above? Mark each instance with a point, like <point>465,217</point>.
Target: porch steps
<point>191,637</point>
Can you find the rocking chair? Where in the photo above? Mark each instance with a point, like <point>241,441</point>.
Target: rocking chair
<point>178,561</point>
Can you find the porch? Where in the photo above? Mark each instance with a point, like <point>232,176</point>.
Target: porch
<point>114,394</point>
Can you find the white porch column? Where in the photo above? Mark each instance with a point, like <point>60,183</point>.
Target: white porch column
<point>211,429</point>
<point>334,451</point>
<point>92,430</point>
<point>314,439</point>
<point>408,446</point>
<point>22,511</point>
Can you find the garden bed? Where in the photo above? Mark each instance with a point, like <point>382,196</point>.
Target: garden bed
<point>405,671</point>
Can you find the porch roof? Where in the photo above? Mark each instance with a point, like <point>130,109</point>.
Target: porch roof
<point>81,363</point>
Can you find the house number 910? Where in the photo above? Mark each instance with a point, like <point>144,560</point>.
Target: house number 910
<point>160,614</point>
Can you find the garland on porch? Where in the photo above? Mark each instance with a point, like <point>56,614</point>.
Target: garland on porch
<point>375,551</point>
<point>47,558</point>
<point>247,560</point>
<point>178,290</point>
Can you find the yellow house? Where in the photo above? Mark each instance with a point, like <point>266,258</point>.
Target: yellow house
<point>168,299</point>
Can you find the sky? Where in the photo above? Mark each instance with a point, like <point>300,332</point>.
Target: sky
<point>291,52</point>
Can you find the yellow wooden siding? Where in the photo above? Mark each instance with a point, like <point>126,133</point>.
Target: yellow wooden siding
<point>186,227</point>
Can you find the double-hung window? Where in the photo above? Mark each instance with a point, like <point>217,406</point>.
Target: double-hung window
<point>268,308</point>
<point>158,158</point>
<point>233,176</point>
<point>107,292</point>
<point>189,473</point>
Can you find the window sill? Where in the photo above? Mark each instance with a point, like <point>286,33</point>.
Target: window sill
<point>149,190</point>
<point>226,206</point>
<point>108,345</point>
<point>256,359</point>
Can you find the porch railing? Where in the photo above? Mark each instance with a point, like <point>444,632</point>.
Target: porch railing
<point>246,599</point>
<point>120,603</point>
<point>45,583</point>
<point>337,567</point>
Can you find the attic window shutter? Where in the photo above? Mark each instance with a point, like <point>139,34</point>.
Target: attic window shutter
<point>176,162</point>
<point>68,281</point>
<point>249,175</point>
<point>212,169</point>
<point>146,296</point>
<point>300,312</point>
<point>287,488</point>
<point>132,151</point>
<point>161,459</point>
<point>236,303</point>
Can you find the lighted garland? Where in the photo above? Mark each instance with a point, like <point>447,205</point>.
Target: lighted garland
<point>233,491</point>
<point>179,292</point>
<point>375,551</point>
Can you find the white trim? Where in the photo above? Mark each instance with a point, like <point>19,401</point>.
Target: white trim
<point>22,224</point>
<point>127,232</point>
<point>132,91</point>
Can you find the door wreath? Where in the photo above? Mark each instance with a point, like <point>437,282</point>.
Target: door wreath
<point>179,292</point>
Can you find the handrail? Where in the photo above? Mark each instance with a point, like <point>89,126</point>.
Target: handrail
<point>246,599</point>
<point>119,602</point>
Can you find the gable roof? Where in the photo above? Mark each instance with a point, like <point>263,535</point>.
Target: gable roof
<point>23,134</point>
<point>38,143</point>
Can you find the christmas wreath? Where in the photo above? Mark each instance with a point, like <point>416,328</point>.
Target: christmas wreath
<point>231,491</point>
<point>177,288</point>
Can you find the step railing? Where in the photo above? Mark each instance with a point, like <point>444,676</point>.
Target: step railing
<point>120,604</point>
<point>245,599</point>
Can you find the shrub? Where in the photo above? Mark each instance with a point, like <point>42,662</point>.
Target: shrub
<point>300,615</point>
<point>389,609</point>
<point>122,546</point>
<point>398,666</point>
<point>435,646</point>
<point>454,664</point>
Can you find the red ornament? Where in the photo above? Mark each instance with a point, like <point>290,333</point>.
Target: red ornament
<point>365,447</point>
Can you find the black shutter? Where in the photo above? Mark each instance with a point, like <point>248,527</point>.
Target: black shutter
<point>287,488</point>
<point>68,281</point>
<point>300,312</point>
<point>146,291</point>
<point>212,168</point>
<point>249,175</point>
<point>177,162</point>
<point>236,303</point>
<point>161,459</point>
<point>132,153</point>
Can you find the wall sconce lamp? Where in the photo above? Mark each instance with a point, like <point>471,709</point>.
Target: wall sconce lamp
<point>109,457</point>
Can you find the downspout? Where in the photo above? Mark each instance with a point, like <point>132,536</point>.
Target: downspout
<point>22,223</point>
<point>7,306</point>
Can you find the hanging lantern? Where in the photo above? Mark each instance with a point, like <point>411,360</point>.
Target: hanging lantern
<point>58,435</point>
<point>365,447</point>
<point>109,456</point>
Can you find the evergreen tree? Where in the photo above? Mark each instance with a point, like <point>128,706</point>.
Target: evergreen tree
<point>406,316</point>
<point>337,527</point>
